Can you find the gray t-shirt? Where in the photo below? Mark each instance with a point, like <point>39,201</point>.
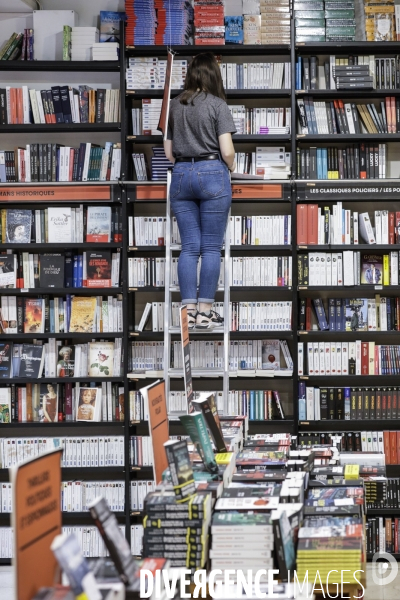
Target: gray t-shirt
<point>194,130</point>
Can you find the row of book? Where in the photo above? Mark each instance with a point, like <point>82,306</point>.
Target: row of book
<point>54,403</point>
<point>159,165</point>
<point>312,24</point>
<point>149,72</point>
<point>261,271</point>
<point>348,403</point>
<point>76,496</point>
<point>86,451</point>
<point>60,104</point>
<point>270,163</point>
<point>255,76</point>
<point>140,451</point>
<point>349,358</point>
<point>55,225</point>
<point>348,268</point>
<point>23,270</point>
<point>55,162</point>
<point>260,121</point>
<point>74,314</point>
<point>18,46</point>
<point>382,493</point>
<point>260,316</point>
<point>138,492</point>
<point>94,359</point>
<point>350,314</point>
<point>358,161</point>
<point>336,225</point>
<point>382,534</point>
<point>337,117</point>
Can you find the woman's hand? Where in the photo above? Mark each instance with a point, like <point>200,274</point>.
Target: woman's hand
<point>232,168</point>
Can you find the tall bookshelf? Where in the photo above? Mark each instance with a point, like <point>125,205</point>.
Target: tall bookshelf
<point>249,197</point>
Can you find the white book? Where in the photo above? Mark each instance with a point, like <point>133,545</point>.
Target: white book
<point>365,228</point>
<point>355,227</point>
<point>333,358</point>
<point>310,404</point>
<point>378,227</point>
<point>345,358</point>
<point>321,350</point>
<point>300,358</point>
<point>348,268</point>
<point>310,359</point>
<point>358,357</point>
<point>59,224</point>
<point>349,117</point>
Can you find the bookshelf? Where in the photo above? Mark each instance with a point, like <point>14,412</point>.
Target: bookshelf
<point>249,198</point>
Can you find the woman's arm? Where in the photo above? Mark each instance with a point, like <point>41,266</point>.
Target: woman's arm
<point>168,150</point>
<point>227,150</point>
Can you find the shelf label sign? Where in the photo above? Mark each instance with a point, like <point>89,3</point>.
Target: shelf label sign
<point>360,190</point>
<point>55,193</point>
<point>187,369</point>
<point>36,520</point>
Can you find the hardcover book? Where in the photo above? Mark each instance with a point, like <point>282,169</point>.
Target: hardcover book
<point>51,270</point>
<point>83,313</point>
<point>34,315</point>
<point>18,226</point>
<point>101,359</point>
<point>371,269</point>
<point>59,224</point>
<point>31,361</point>
<point>88,404</point>
<point>98,269</point>
<point>356,314</point>
<point>6,352</point>
<point>98,224</point>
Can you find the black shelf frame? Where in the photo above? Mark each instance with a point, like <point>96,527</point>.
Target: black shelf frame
<point>230,93</point>
<point>81,291</point>
<point>60,65</point>
<point>62,336</point>
<point>337,138</point>
<point>238,138</point>
<point>337,425</point>
<point>62,128</point>
<point>223,50</point>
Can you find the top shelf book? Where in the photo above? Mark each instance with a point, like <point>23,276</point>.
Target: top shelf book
<point>59,65</point>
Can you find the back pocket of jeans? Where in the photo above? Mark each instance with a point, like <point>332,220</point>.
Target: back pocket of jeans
<point>211,182</point>
<point>176,183</point>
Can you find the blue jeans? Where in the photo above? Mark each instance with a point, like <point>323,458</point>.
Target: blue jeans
<point>200,197</point>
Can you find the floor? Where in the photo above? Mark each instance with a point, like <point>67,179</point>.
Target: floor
<point>373,592</point>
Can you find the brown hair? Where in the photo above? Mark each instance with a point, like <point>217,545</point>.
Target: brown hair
<point>203,74</point>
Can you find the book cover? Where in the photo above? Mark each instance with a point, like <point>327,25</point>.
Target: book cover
<point>356,314</point>
<point>65,364</point>
<point>234,30</point>
<point>271,354</point>
<point>83,313</point>
<point>88,404</point>
<point>98,224</point>
<point>98,269</point>
<point>5,405</point>
<point>34,315</point>
<point>31,361</point>
<point>247,498</point>
<point>51,270</point>
<point>7,272</point>
<point>252,29</point>
<point>6,353</point>
<point>18,226</point>
<point>250,457</point>
<point>101,359</point>
<point>371,269</point>
<point>59,224</point>
<point>206,404</point>
<point>195,426</point>
<point>47,411</point>
<point>284,546</point>
<point>180,469</point>
<point>110,25</point>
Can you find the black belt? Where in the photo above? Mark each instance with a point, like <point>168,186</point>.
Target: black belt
<point>197,158</point>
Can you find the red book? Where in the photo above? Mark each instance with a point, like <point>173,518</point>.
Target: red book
<point>396,536</point>
<point>394,405</point>
<point>398,447</point>
<point>393,111</point>
<point>302,236</point>
<point>386,446</point>
<point>71,163</point>
<point>20,106</point>
<point>391,228</point>
<point>364,358</point>
<point>393,447</point>
<point>397,228</point>
<point>13,106</point>
<point>312,220</point>
<point>388,114</point>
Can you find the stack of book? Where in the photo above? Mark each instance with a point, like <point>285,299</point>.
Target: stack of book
<point>275,21</point>
<point>353,77</point>
<point>272,162</point>
<point>309,20</point>
<point>241,540</point>
<point>151,109</point>
<point>255,75</point>
<point>159,164</point>
<point>209,27</point>
<point>82,40</point>
<point>174,22</point>
<point>150,72</point>
<point>340,21</point>
<point>108,51</point>
<point>380,21</point>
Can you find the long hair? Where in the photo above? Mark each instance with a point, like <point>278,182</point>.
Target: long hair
<point>203,75</point>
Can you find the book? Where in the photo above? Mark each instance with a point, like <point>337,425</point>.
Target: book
<point>65,364</point>
<point>83,313</point>
<point>69,555</point>
<point>51,271</point>
<point>6,353</point>
<point>5,405</point>
<point>371,269</point>
<point>88,404</point>
<point>31,361</point>
<point>271,354</point>
<point>101,359</point>
<point>180,469</point>
<point>195,426</point>
<point>110,23</point>
<point>7,271</point>
<point>98,269</point>
<point>18,226</point>
<point>260,498</point>
<point>47,411</point>
<point>285,550</point>
<point>59,224</point>
<point>206,404</point>
<point>34,315</point>
<point>356,314</point>
<point>98,224</point>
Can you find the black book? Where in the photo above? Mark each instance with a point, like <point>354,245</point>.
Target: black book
<point>284,548</point>
<point>357,441</point>
<point>306,73</point>
<point>378,403</point>
<point>331,403</point>
<point>66,104</point>
<point>31,361</point>
<point>366,403</point>
<point>3,107</point>
<point>339,403</point>
<point>100,103</point>
<point>302,315</point>
<point>206,404</point>
<point>359,404</point>
<point>313,72</point>
<point>372,400</point>
<point>324,404</point>
<point>58,110</point>
<point>6,351</point>
<point>51,273</point>
<point>50,105</point>
<point>353,404</point>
